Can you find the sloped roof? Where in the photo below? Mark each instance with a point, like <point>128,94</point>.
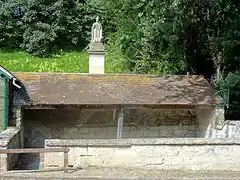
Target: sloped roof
<point>20,95</point>
<point>71,88</point>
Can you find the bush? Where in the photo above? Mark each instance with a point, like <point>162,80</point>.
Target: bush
<point>232,81</point>
<point>43,28</point>
<point>51,26</point>
<point>11,23</point>
<point>39,41</point>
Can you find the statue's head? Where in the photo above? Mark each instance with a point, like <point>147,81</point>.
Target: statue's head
<point>97,18</point>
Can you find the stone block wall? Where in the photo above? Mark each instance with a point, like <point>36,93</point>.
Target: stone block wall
<point>91,137</point>
<point>91,124</point>
<point>233,129</point>
<point>203,116</point>
<point>9,139</point>
<point>14,143</point>
<point>212,124</point>
<point>174,153</point>
<point>156,123</point>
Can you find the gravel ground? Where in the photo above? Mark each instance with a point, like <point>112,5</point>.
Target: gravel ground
<point>94,173</point>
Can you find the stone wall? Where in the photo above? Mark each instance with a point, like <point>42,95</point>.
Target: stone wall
<point>212,124</point>
<point>204,118</point>
<point>9,139</point>
<point>91,124</point>
<point>179,153</point>
<point>234,129</point>
<point>156,123</point>
<point>91,136</point>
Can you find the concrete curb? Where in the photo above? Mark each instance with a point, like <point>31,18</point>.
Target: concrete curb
<point>16,177</point>
<point>28,176</point>
<point>118,174</point>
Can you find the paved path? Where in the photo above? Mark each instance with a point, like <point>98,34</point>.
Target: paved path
<point>93,173</point>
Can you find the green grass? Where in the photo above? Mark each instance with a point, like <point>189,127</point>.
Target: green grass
<point>67,62</point>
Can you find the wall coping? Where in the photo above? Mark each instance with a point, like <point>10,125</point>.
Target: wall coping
<point>7,135</point>
<point>139,142</point>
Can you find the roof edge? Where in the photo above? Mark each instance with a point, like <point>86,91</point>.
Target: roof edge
<point>115,106</point>
<point>108,74</point>
<point>6,73</point>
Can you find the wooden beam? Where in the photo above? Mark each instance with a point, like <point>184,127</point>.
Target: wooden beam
<point>39,107</point>
<point>33,150</point>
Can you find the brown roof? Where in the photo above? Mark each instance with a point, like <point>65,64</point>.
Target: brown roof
<point>68,88</point>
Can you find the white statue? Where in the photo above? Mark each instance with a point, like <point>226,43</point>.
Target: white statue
<point>96,31</point>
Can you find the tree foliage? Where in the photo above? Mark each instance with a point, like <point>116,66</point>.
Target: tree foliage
<point>146,35</point>
<point>11,24</point>
<point>154,36</point>
<point>45,27</point>
<point>175,36</point>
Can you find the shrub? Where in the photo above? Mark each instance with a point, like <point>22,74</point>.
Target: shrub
<point>11,23</point>
<point>232,81</point>
<point>40,40</point>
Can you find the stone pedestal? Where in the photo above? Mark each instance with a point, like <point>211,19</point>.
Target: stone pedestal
<point>96,58</point>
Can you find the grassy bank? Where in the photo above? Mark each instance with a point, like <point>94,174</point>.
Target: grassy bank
<point>67,62</point>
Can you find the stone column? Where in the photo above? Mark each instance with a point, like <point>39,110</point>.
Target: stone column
<point>18,114</point>
<point>120,123</point>
<point>3,162</point>
<point>96,58</point>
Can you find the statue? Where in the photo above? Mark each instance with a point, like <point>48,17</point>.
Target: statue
<point>96,32</point>
<point>96,50</point>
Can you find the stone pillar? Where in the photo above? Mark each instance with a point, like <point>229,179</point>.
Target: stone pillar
<point>120,114</point>
<point>3,162</point>
<point>19,124</point>
<point>96,58</point>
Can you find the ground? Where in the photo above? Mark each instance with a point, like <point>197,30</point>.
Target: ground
<point>95,173</point>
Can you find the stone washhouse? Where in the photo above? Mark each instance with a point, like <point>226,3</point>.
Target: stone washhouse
<point>165,122</point>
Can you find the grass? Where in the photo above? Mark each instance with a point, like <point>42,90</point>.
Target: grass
<point>67,62</point>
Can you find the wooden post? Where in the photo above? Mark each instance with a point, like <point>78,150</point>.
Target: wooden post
<point>65,161</point>
<point>120,123</point>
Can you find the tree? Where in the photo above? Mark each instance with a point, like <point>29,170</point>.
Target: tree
<point>175,36</point>
<point>53,25</point>
<point>11,23</point>
<point>146,35</point>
